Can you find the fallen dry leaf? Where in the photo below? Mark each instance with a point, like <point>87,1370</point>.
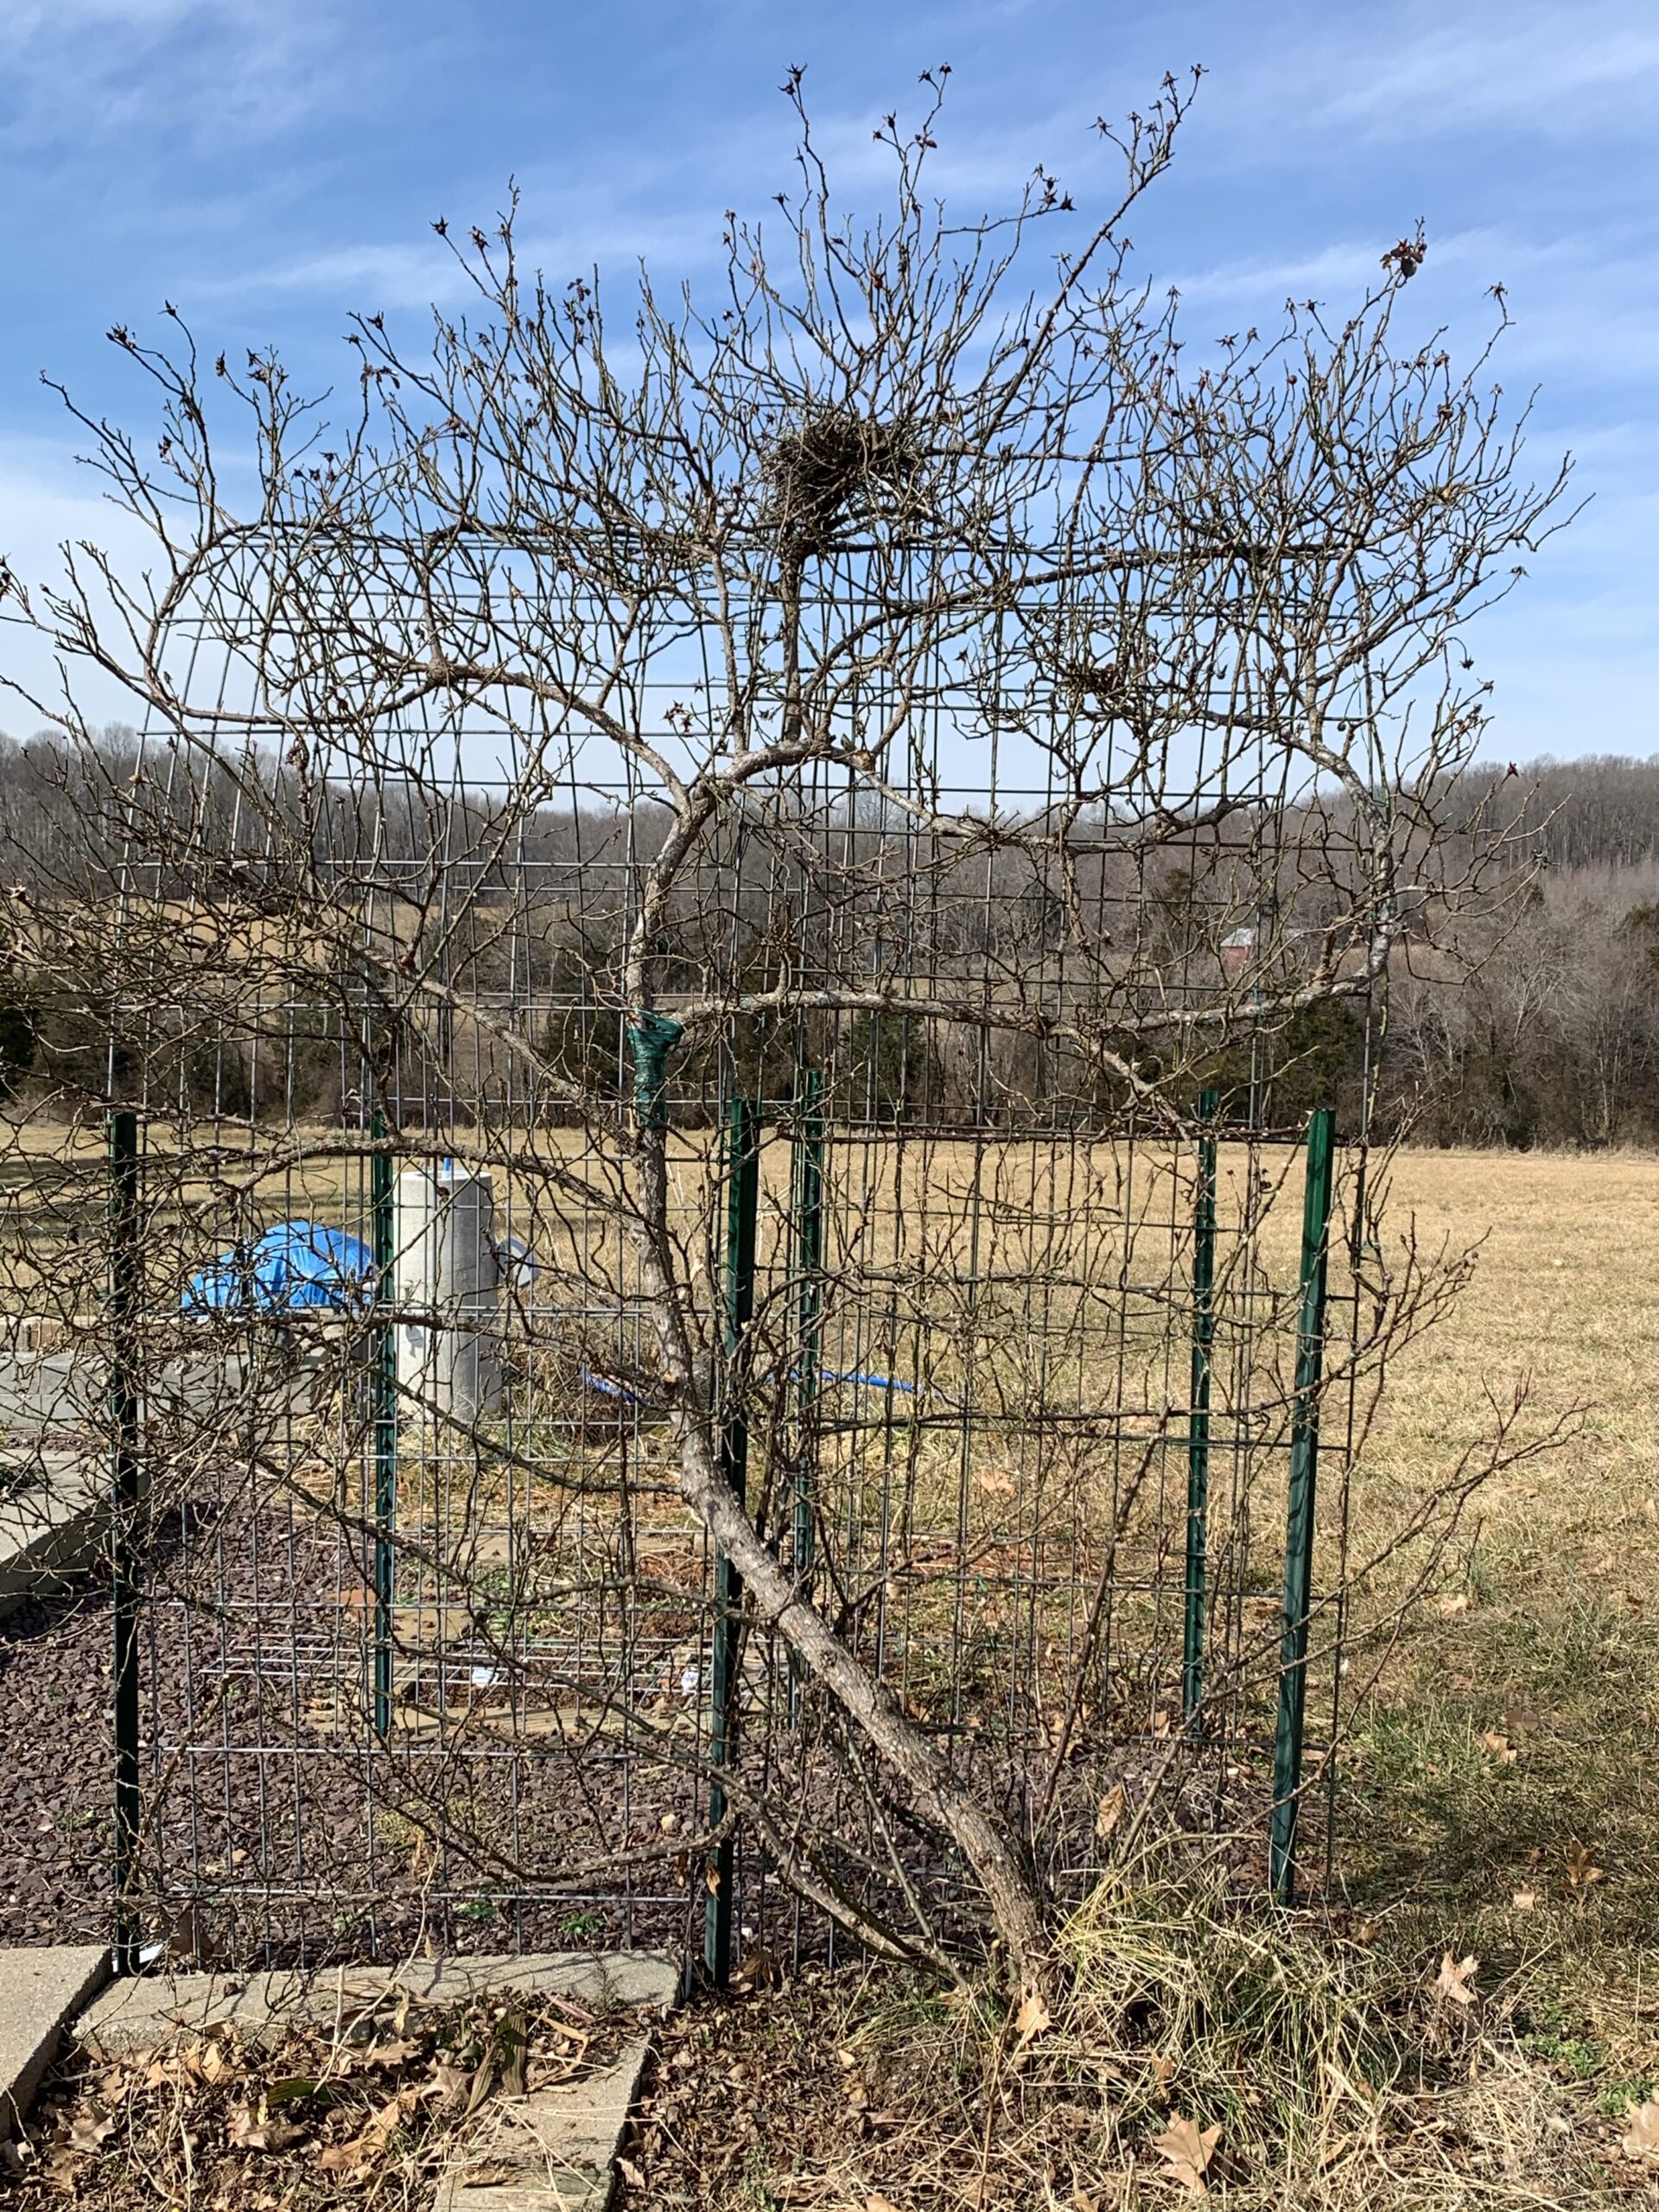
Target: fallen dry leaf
<point>397,2052</point>
<point>1163,2068</point>
<point>482,2082</point>
<point>490,2177</point>
<point>1187,2150</point>
<point>90,2128</point>
<point>207,2060</point>
<point>1032,2017</point>
<point>448,2080</point>
<point>1641,2139</point>
<point>1453,1980</point>
<point>876,2202</point>
<point>760,1970</point>
<point>251,2130</point>
<point>1582,1869</point>
<point>1523,1900</point>
<point>1500,1747</point>
<point>510,2037</point>
<point>1109,1816</point>
<point>364,2149</point>
<point>630,2173</point>
<point>1457,1603</point>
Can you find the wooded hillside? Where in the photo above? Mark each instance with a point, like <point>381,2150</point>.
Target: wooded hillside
<point>1533,1020</point>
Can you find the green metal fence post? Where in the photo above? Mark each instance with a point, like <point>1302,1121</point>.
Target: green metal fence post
<point>742,1206</point>
<point>1298,1518</point>
<point>1197,1447</point>
<point>807,1193</point>
<point>125,1297</point>
<point>385,1390</point>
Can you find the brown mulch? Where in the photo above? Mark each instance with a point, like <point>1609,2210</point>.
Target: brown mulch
<point>258,1842</point>
<point>55,1773</point>
<point>745,2097</point>
<point>861,2089</point>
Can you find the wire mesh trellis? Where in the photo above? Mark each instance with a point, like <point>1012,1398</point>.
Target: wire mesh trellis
<point>420,1640</point>
<point>901,712</point>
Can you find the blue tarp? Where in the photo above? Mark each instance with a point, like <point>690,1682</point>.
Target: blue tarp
<point>295,1265</point>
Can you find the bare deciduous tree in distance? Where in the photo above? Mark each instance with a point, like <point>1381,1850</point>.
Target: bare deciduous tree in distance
<point>883,506</point>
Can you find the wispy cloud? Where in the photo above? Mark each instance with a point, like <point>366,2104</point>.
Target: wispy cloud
<point>164,74</point>
<point>270,164</point>
<point>1536,66</point>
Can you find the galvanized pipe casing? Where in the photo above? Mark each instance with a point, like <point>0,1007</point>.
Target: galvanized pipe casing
<point>447,1282</point>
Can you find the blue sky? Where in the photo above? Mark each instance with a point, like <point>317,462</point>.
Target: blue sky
<point>268,165</point>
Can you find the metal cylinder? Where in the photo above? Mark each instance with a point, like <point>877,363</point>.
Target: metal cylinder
<point>447,1283</point>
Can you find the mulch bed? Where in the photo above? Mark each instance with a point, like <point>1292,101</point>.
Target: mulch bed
<point>55,1774</point>
<point>260,1844</point>
<point>276,1831</point>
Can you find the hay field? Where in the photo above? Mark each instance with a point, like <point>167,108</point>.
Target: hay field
<point>1504,1792</point>
<point>1562,1299</point>
<point>1565,1290</point>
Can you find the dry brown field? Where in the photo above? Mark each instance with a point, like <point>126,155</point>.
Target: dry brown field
<point>1503,1798</point>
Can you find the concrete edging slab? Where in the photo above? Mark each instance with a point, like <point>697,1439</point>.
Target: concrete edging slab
<point>136,2014</point>
<point>41,1989</point>
<point>553,2151</point>
<point>49,1527</point>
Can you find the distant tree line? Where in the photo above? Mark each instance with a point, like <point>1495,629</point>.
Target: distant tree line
<point>1532,1021</point>
<point>1542,1029</point>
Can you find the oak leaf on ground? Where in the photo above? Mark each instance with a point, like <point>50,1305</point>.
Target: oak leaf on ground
<point>1187,2149</point>
<point>1455,1977</point>
<point>1641,2139</point>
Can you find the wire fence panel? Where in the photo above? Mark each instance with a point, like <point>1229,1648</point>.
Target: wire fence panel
<point>424,1644</point>
<point>904,709</point>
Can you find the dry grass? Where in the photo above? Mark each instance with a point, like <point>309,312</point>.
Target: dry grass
<point>1500,1798</point>
<point>1561,1292</point>
<point>1498,1802</point>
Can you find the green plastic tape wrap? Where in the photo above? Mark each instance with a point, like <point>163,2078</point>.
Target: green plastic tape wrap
<point>652,1038</point>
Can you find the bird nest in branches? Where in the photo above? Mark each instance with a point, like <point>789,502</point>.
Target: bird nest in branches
<point>829,467</point>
